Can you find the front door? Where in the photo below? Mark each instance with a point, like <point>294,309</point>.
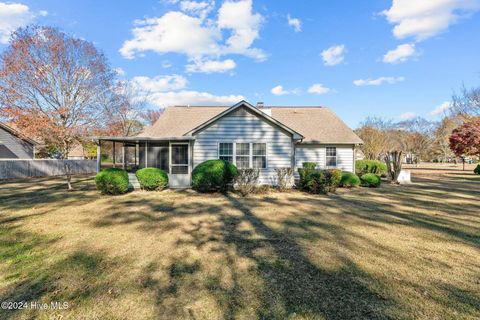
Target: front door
<point>179,176</point>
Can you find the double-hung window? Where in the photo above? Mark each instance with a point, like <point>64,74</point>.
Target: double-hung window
<point>244,154</point>
<point>259,157</point>
<point>242,158</point>
<point>331,158</point>
<point>225,151</point>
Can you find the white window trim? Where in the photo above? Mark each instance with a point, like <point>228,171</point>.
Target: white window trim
<point>250,156</point>
<point>179,165</point>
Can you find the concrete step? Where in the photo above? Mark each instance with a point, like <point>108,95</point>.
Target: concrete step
<point>133,181</point>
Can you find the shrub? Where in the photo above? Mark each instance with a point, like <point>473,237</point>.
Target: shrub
<point>112,181</point>
<point>247,180</point>
<point>304,172</point>
<point>152,178</point>
<point>284,178</point>
<point>323,181</point>
<point>370,180</point>
<point>477,169</point>
<point>371,166</point>
<point>349,180</point>
<point>213,175</point>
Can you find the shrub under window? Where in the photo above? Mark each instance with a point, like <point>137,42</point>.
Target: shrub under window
<point>213,175</point>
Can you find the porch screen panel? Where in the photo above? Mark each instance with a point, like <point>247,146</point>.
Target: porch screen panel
<point>179,158</point>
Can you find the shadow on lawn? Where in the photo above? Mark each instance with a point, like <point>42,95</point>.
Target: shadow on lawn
<point>30,276</point>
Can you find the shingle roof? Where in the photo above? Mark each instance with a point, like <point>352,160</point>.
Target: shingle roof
<point>17,133</point>
<point>316,124</point>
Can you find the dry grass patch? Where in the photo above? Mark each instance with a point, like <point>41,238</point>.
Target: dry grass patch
<point>388,253</point>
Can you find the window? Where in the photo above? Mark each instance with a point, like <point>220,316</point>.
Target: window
<point>179,158</point>
<point>259,155</point>
<point>225,151</point>
<point>243,155</point>
<point>331,156</point>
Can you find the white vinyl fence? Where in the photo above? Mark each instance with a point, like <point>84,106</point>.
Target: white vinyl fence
<point>13,169</point>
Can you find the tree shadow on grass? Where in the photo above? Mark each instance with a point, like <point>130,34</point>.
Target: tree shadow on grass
<point>31,275</point>
<point>293,285</point>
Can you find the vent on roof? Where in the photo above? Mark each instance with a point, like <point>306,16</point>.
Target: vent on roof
<point>260,105</point>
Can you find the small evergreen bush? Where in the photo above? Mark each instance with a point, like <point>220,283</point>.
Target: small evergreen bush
<point>349,180</point>
<point>304,172</point>
<point>477,169</point>
<point>112,181</point>
<point>152,178</point>
<point>370,180</point>
<point>213,175</point>
<point>371,166</point>
<point>323,181</point>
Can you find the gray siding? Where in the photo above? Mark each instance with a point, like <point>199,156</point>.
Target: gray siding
<point>20,148</point>
<point>242,126</point>
<point>317,154</point>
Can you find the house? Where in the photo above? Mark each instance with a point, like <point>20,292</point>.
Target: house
<point>14,145</point>
<point>250,136</point>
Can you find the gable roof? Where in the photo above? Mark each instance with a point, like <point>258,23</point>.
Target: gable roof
<point>315,124</point>
<point>257,111</point>
<point>17,134</point>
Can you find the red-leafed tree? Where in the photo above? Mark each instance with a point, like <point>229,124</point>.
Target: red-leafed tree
<point>465,140</point>
<point>54,86</point>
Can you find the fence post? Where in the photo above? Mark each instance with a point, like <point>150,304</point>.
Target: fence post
<point>99,156</point>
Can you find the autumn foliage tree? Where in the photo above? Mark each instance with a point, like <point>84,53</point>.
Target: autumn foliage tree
<point>53,86</point>
<point>465,140</point>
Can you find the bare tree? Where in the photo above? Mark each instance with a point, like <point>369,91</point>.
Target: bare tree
<point>375,141</point>
<point>466,103</point>
<point>151,116</point>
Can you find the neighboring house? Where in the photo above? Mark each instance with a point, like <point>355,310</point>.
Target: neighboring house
<point>13,145</point>
<point>251,137</point>
<point>77,153</point>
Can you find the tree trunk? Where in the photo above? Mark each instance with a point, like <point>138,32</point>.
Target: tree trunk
<point>68,174</point>
<point>393,159</point>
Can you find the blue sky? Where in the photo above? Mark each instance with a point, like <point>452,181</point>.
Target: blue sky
<point>394,59</point>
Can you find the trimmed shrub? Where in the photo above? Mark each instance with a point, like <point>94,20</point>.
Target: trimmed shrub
<point>323,181</point>
<point>112,181</point>
<point>213,175</point>
<point>349,180</point>
<point>152,178</point>
<point>371,166</point>
<point>304,172</point>
<point>477,169</point>
<point>370,180</point>
<point>247,181</point>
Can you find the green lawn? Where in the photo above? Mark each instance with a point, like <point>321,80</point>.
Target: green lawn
<point>397,252</point>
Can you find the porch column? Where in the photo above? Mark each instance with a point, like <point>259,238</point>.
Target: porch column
<point>146,154</point>
<point>124,157</point>
<point>99,156</point>
<point>114,154</point>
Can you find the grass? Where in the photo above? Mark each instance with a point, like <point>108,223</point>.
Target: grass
<point>397,252</point>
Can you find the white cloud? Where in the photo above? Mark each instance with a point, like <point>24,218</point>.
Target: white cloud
<point>333,55</point>
<point>279,91</point>
<point>318,88</point>
<point>424,19</point>
<point>171,90</point>
<point>441,108</point>
<point>378,81</point>
<point>295,23</point>
<point>14,16</point>
<point>200,9</point>
<point>400,54</point>
<point>119,71</point>
<point>159,83</point>
<point>408,115</point>
<point>197,37</point>
<point>211,66</point>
